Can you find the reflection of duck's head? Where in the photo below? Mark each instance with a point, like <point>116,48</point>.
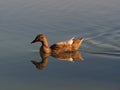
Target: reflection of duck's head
<point>42,64</point>
<point>39,65</point>
<point>65,46</point>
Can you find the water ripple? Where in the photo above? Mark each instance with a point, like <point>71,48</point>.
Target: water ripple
<point>106,43</point>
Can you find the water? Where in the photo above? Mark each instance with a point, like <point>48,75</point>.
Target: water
<point>96,20</point>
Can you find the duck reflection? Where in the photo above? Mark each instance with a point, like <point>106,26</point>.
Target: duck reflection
<point>43,63</point>
<point>66,56</point>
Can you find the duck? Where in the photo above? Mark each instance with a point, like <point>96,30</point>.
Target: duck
<point>70,45</point>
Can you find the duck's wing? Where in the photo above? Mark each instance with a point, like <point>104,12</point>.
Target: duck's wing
<point>69,45</point>
<point>61,47</point>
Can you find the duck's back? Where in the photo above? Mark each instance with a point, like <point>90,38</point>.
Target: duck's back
<point>62,46</point>
<point>67,46</point>
<point>57,48</point>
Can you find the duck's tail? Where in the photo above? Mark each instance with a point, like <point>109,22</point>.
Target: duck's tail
<point>82,39</point>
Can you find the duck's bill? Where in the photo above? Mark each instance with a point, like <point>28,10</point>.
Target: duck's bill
<point>33,41</point>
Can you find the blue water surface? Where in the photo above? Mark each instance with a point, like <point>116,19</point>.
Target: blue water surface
<point>98,21</point>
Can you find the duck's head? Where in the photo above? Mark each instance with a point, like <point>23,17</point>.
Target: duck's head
<point>39,38</point>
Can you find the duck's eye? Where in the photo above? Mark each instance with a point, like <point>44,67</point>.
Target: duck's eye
<point>37,39</point>
<point>41,37</point>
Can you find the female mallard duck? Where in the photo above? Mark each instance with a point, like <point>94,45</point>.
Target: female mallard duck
<point>66,46</point>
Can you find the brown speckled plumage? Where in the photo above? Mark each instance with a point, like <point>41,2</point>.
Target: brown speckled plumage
<point>60,47</point>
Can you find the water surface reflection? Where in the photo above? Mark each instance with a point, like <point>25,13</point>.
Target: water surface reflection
<point>66,56</point>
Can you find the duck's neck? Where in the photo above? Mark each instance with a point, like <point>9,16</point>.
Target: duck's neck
<point>45,43</point>
<point>45,46</point>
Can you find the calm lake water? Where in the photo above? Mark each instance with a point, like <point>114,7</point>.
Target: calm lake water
<point>98,21</point>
